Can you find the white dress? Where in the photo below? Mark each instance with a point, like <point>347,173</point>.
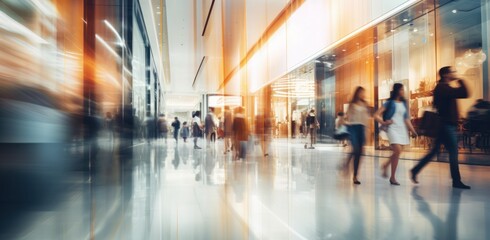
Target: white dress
<point>397,131</point>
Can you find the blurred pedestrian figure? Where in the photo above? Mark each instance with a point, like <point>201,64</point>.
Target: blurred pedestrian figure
<point>228,129</point>
<point>304,130</point>
<point>196,128</point>
<point>263,132</point>
<point>395,120</point>
<point>479,109</point>
<point>445,102</point>
<point>150,125</point>
<point>341,132</point>
<point>357,119</point>
<point>221,126</point>
<point>312,124</point>
<point>138,132</point>
<point>241,132</point>
<point>210,126</point>
<point>185,131</point>
<point>293,128</point>
<point>109,125</point>
<point>162,127</point>
<point>176,126</point>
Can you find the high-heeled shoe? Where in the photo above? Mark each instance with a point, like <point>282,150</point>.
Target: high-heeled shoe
<point>356,182</point>
<point>394,183</point>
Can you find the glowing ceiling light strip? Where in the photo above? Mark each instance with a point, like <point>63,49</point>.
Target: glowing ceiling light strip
<point>369,25</point>
<point>109,25</point>
<point>104,43</point>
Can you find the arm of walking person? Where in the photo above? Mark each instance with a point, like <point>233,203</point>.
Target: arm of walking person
<point>348,113</point>
<point>378,116</point>
<point>456,92</point>
<point>410,127</point>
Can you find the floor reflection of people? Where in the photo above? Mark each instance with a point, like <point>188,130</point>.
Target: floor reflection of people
<point>197,157</point>
<point>324,228</point>
<point>176,160</point>
<point>161,153</point>
<point>209,165</point>
<point>357,226</point>
<point>235,180</point>
<point>442,229</point>
<point>185,153</point>
<point>395,231</point>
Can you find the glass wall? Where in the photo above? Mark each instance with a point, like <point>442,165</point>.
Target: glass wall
<point>139,73</point>
<point>460,43</point>
<point>406,48</point>
<point>293,96</point>
<point>78,53</point>
<point>405,53</point>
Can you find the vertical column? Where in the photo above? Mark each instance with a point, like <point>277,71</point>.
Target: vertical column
<point>320,98</point>
<point>485,17</point>
<point>89,58</point>
<point>376,86</point>
<point>127,101</point>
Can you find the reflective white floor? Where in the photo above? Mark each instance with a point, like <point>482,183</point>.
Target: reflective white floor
<point>164,191</point>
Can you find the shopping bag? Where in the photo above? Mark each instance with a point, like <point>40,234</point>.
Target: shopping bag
<point>429,126</point>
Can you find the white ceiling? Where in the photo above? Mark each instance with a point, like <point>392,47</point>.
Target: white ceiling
<point>182,54</point>
<point>180,20</point>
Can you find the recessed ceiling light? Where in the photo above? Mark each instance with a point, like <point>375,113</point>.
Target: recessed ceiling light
<point>454,11</point>
<point>415,30</point>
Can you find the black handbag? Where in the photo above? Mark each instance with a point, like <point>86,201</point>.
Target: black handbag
<point>197,131</point>
<point>429,126</point>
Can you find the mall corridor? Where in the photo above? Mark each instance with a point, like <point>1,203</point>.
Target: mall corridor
<point>244,119</point>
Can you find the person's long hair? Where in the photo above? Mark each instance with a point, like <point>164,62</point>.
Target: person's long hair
<point>356,97</point>
<point>395,93</point>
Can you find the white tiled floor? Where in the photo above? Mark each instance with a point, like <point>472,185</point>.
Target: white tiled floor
<point>169,192</point>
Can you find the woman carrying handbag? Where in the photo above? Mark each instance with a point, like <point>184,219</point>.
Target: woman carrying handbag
<point>395,120</point>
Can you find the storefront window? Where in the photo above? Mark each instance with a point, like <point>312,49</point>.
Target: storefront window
<point>460,44</point>
<point>406,55</point>
<point>406,48</point>
<point>293,97</point>
<point>139,74</point>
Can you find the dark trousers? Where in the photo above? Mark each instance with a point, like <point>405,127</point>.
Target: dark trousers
<point>446,136</point>
<point>312,136</point>
<point>357,139</point>
<point>176,134</point>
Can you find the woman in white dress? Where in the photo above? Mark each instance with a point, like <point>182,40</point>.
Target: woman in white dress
<point>395,120</point>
